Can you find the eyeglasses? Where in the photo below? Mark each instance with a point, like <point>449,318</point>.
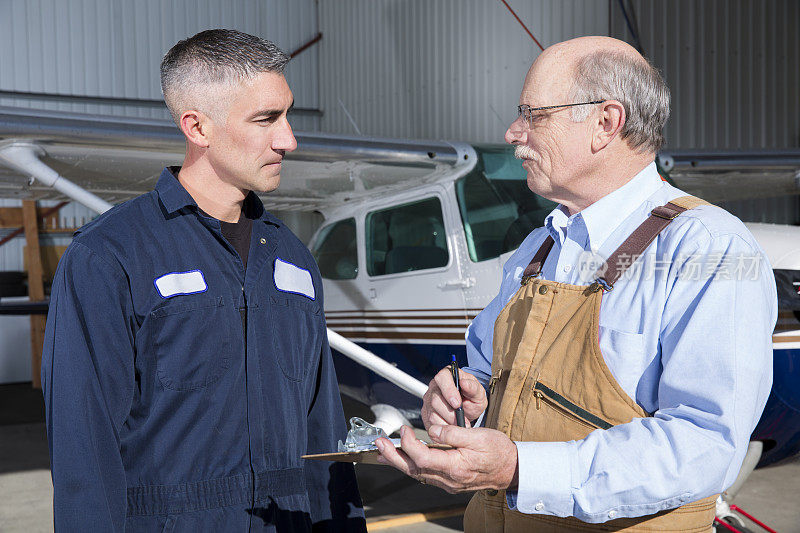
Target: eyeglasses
<point>526,112</point>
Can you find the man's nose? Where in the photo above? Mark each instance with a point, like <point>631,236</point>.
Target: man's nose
<point>285,140</point>
<point>517,133</point>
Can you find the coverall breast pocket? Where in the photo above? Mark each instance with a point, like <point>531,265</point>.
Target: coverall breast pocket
<point>296,335</point>
<point>192,341</point>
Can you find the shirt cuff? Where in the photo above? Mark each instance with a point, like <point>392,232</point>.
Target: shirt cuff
<point>545,478</point>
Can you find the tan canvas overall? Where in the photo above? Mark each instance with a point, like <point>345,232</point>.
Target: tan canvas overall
<point>550,383</point>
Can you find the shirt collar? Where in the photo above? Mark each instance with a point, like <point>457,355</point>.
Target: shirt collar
<point>605,215</point>
<point>556,223</point>
<point>174,198</point>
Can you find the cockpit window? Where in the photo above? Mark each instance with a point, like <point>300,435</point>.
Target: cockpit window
<point>335,250</point>
<point>497,208</point>
<point>406,238</point>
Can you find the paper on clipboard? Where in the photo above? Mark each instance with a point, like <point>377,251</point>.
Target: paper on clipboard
<point>369,457</point>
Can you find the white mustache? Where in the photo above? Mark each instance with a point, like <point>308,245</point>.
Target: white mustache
<point>523,151</point>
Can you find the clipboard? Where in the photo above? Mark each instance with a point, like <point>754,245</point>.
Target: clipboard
<point>367,457</point>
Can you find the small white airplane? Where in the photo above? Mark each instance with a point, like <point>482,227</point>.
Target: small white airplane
<point>414,237</point>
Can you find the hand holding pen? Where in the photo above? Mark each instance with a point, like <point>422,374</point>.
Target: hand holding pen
<point>443,398</point>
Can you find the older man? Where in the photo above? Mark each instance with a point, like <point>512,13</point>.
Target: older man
<point>186,367</point>
<point>622,395</point>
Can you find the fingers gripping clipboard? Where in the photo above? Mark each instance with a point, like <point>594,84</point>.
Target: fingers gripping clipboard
<point>359,447</point>
<point>368,456</point>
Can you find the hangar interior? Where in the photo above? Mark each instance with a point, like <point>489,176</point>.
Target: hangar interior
<point>410,69</point>
<point>444,70</point>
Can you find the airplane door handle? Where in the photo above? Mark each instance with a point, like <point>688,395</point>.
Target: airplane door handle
<point>462,283</point>
<point>372,294</point>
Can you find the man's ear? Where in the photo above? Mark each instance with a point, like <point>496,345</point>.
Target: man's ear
<point>609,124</point>
<point>195,125</point>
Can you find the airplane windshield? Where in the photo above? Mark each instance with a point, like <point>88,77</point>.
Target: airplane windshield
<point>497,208</point>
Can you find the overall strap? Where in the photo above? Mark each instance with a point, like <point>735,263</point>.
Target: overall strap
<point>638,241</point>
<point>534,268</point>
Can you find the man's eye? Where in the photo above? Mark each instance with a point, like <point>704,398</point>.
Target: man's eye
<point>269,119</point>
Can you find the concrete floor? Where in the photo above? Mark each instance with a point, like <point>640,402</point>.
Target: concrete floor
<point>771,494</point>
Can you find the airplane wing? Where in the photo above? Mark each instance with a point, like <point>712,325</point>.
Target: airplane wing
<point>119,158</point>
<point>722,176</point>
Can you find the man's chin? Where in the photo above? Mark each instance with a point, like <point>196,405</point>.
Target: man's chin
<point>268,184</point>
<point>538,185</point>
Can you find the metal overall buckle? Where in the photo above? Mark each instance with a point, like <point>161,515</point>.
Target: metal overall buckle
<point>601,283</point>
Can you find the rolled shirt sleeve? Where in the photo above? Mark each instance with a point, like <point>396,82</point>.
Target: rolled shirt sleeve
<point>88,385</point>
<point>716,352</point>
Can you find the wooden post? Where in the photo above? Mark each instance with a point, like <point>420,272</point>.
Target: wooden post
<point>35,287</point>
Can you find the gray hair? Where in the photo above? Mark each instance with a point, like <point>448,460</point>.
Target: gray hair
<point>634,82</point>
<point>214,58</point>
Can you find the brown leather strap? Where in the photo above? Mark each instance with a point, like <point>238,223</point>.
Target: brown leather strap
<point>534,268</point>
<point>638,241</point>
<point>630,250</point>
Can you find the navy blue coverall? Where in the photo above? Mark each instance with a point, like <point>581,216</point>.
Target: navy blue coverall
<point>190,412</point>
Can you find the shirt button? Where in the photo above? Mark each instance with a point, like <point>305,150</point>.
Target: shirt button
<point>263,240</point>
<point>567,268</point>
<point>612,514</point>
<point>539,506</point>
<point>491,492</point>
<point>542,289</point>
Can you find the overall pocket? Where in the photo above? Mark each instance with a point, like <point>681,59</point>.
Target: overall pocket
<point>296,334</point>
<point>192,341</point>
<point>548,398</point>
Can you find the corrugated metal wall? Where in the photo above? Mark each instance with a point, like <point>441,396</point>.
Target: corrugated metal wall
<point>733,67</point>
<point>112,48</point>
<point>450,69</point>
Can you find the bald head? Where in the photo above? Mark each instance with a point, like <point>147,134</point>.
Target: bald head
<point>593,68</point>
<point>575,49</point>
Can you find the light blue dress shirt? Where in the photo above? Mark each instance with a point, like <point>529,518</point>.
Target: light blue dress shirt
<point>686,332</point>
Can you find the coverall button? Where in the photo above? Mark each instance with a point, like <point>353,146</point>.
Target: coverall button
<point>542,289</point>
<point>612,514</point>
<point>263,240</point>
<point>539,506</point>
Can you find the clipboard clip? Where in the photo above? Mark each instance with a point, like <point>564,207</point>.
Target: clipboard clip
<point>361,436</point>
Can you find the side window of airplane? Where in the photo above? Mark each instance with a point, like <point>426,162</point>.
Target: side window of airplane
<point>335,250</point>
<point>405,238</point>
<point>497,208</point>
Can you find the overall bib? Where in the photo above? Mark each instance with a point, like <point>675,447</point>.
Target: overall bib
<point>550,383</point>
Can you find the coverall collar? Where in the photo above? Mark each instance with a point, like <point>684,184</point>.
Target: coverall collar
<point>174,198</point>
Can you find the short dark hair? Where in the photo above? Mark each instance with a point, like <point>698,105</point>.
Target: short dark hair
<point>217,56</point>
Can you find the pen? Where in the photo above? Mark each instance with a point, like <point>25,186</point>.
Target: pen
<point>459,411</point>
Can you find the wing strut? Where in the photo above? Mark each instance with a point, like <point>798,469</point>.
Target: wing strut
<point>24,157</point>
<point>376,364</point>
